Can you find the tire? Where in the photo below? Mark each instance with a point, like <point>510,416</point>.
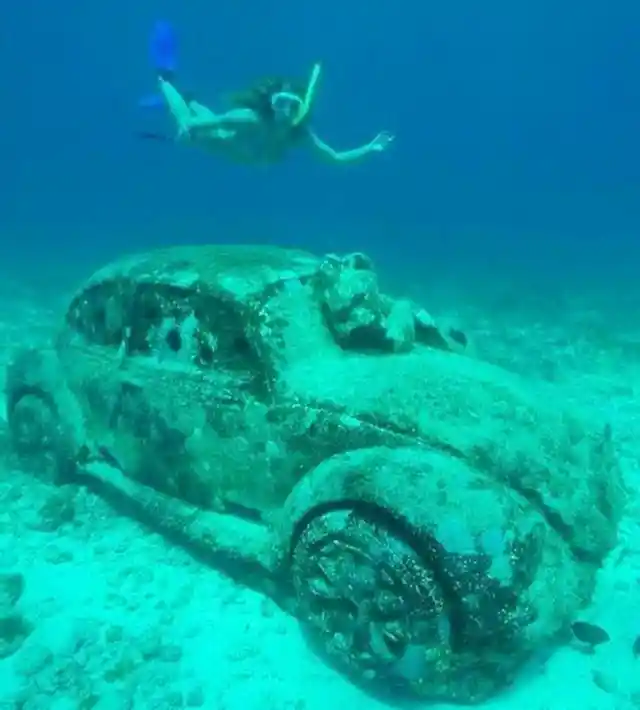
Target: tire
<point>367,598</point>
<point>41,429</point>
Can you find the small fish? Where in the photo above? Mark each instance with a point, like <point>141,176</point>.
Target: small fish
<point>635,649</point>
<point>589,633</point>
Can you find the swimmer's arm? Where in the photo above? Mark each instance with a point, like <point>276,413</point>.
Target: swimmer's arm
<point>340,156</point>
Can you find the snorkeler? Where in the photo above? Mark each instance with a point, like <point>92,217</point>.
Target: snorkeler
<point>260,125</point>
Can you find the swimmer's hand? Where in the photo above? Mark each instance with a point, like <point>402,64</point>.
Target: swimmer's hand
<point>381,142</point>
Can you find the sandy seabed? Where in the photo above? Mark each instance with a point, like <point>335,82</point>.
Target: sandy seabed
<point>121,620</point>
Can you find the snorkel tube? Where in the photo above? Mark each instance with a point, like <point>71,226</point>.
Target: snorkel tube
<point>305,105</point>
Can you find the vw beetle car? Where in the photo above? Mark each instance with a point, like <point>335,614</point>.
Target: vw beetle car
<point>429,519</point>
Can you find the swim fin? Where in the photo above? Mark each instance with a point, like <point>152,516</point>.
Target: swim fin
<point>163,49</point>
<point>163,53</point>
<point>151,136</point>
<point>151,101</point>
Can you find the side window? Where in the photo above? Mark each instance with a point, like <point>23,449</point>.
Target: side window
<point>166,323</point>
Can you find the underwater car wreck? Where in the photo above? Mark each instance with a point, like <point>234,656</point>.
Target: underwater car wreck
<point>427,518</point>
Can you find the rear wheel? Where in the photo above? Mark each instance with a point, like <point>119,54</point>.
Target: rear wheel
<point>38,437</point>
<point>43,418</point>
<point>33,424</point>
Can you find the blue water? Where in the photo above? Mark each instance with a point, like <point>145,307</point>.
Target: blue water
<point>517,130</point>
<point>515,174</point>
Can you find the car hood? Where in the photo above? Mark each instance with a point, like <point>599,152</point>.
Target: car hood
<point>522,436</point>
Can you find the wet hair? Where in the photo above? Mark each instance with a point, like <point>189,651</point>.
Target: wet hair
<point>258,98</point>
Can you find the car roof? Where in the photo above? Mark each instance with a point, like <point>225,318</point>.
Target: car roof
<point>239,270</point>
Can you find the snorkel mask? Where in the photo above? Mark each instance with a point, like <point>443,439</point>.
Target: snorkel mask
<point>285,106</point>
<point>289,107</point>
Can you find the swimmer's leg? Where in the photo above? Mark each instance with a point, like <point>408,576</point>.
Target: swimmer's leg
<point>204,122</point>
<point>205,118</point>
<point>202,115</point>
<point>177,105</point>
<point>190,114</point>
<point>206,125</point>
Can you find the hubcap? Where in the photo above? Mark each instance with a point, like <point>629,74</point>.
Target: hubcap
<point>368,598</point>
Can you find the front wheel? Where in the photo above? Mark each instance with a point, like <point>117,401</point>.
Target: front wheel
<point>367,597</point>
<point>414,571</point>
